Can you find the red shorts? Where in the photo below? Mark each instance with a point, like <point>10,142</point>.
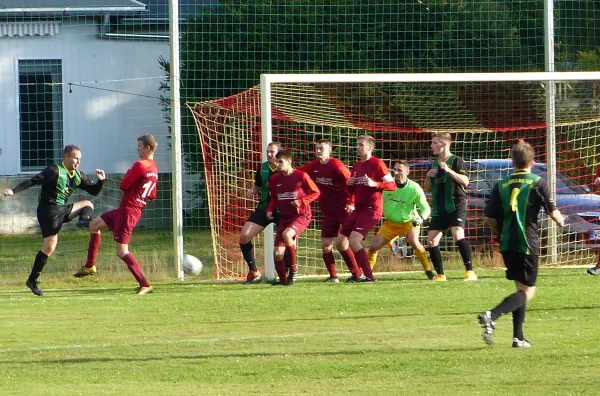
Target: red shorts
<point>330,225</point>
<point>361,221</point>
<point>121,223</point>
<point>297,223</point>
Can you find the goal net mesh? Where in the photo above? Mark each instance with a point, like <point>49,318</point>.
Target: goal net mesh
<point>484,118</point>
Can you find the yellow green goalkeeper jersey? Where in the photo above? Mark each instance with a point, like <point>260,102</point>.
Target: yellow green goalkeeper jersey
<point>406,203</point>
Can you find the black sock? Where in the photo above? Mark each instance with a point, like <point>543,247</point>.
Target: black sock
<point>86,213</point>
<point>509,304</point>
<point>436,259</point>
<point>465,253</point>
<point>38,265</point>
<point>518,319</point>
<point>248,253</point>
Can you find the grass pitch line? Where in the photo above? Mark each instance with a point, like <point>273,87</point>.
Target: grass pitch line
<point>174,342</point>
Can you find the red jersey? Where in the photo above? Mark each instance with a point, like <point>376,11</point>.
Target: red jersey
<point>597,173</point>
<point>331,180</point>
<point>297,186</point>
<point>369,197</point>
<point>139,184</point>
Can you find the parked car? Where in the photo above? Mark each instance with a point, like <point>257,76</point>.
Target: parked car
<point>577,203</point>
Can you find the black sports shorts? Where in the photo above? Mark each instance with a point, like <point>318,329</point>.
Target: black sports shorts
<point>521,267</point>
<point>259,216</point>
<point>52,217</point>
<point>457,218</point>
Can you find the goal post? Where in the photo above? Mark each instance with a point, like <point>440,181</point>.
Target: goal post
<point>484,112</point>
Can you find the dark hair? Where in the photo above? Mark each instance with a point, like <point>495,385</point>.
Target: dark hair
<point>69,148</point>
<point>275,143</point>
<point>148,140</point>
<point>284,154</point>
<point>403,162</point>
<point>522,154</point>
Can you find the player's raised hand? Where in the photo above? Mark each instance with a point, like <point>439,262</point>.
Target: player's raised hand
<point>8,192</point>
<point>432,173</point>
<point>295,203</point>
<point>349,209</point>
<point>270,215</point>
<point>100,174</point>
<point>443,166</point>
<point>351,181</point>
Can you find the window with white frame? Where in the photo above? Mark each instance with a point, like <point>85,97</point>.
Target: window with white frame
<point>40,112</point>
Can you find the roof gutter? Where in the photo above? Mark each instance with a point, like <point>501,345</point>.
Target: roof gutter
<point>91,11</point>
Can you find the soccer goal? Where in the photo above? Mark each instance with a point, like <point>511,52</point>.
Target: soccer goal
<point>558,113</point>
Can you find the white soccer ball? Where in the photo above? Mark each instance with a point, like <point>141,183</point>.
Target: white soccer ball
<point>191,264</point>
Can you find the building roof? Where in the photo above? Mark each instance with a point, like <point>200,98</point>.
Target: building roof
<point>153,9</point>
<point>62,7</point>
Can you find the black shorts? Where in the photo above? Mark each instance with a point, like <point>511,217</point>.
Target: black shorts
<point>52,217</point>
<point>521,267</point>
<point>457,218</point>
<point>259,216</point>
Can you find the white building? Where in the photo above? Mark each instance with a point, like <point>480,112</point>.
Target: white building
<point>73,72</point>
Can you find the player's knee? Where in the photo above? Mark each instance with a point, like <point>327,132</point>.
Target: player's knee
<point>87,203</point>
<point>327,248</point>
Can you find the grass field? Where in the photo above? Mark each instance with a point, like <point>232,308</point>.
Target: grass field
<point>401,335</point>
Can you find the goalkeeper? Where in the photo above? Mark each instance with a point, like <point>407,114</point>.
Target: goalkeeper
<point>404,210</point>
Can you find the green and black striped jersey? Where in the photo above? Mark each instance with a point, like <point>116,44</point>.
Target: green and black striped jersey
<point>515,204</point>
<point>58,184</point>
<point>447,194</point>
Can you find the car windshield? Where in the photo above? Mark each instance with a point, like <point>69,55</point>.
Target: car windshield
<point>484,177</point>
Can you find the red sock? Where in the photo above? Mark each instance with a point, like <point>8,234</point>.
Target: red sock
<point>329,260</point>
<point>362,259</point>
<point>290,252</point>
<point>350,260</point>
<point>93,247</point>
<point>280,268</point>
<point>135,269</point>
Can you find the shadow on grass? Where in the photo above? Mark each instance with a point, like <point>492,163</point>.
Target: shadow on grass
<point>286,355</point>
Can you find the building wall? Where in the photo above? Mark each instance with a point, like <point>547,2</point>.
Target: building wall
<point>103,123</point>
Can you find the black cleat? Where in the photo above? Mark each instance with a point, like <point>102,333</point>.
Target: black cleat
<point>594,271</point>
<point>354,279</point>
<point>292,277</point>
<point>332,279</point>
<point>84,222</point>
<point>487,325</point>
<point>521,343</point>
<point>430,274</point>
<point>33,285</point>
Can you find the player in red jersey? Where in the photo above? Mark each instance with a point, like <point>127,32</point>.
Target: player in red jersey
<point>138,186</point>
<point>330,175</point>
<point>370,176</point>
<point>291,191</point>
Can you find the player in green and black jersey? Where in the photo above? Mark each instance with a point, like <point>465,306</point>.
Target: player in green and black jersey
<point>447,180</point>
<point>512,211</point>
<point>258,219</point>
<point>58,182</point>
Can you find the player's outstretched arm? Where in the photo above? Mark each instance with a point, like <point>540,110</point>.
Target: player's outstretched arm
<point>47,175</point>
<point>91,187</point>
